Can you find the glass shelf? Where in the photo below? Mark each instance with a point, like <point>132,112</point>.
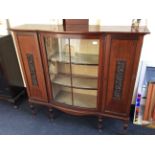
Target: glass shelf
<point>84,59</point>
<point>78,82</point>
<point>64,97</point>
<point>62,94</point>
<point>80,100</point>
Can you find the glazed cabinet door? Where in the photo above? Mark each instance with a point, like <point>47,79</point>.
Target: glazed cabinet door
<point>32,65</point>
<point>121,63</point>
<point>73,64</point>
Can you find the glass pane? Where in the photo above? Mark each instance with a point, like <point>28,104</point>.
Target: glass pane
<point>84,51</point>
<point>57,49</point>
<point>84,59</point>
<point>85,76</point>
<point>85,98</point>
<point>59,68</point>
<point>60,74</point>
<point>62,94</point>
<point>74,83</point>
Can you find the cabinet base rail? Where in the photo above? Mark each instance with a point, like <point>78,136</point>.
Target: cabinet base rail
<point>76,112</point>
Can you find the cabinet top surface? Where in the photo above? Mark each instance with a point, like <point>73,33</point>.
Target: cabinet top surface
<point>91,29</point>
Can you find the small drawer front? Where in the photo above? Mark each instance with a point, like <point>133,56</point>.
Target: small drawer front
<point>75,24</point>
<point>32,65</point>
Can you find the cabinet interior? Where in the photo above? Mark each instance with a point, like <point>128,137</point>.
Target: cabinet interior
<point>73,69</point>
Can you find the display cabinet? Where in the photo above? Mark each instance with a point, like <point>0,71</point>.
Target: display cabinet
<point>81,72</point>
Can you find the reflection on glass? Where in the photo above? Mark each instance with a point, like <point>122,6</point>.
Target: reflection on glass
<point>57,49</point>
<point>84,51</point>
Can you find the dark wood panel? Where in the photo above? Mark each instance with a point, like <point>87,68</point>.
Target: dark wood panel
<point>9,62</point>
<point>11,83</point>
<point>75,21</point>
<point>121,55</point>
<point>32,65</point>
<point>75,24</point>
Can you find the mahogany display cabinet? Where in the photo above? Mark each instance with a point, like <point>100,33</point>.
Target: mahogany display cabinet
<point>81,72</point>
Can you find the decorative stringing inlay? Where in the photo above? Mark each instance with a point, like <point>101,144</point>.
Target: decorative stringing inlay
<point>32,69</point>
<point>119,77</point>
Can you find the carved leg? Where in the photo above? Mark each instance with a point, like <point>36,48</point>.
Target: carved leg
<point>100,123</point>
<point>51,113</point>
<point>126,125</point>
<point>33,109</point>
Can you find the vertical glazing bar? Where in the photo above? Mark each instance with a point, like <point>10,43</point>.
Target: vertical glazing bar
<point>71,72</point>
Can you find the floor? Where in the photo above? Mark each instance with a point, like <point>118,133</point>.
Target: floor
<point>21,122</point>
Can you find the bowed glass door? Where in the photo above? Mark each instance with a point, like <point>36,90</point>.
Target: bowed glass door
<point>73,68</point>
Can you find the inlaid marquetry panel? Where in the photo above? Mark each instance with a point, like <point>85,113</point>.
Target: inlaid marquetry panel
<point>32,69</point>
<point>119,78</point>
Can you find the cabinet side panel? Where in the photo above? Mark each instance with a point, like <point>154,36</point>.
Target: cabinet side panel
<point>122,54</point>
<point>9,61</point>
<point>32,65</point>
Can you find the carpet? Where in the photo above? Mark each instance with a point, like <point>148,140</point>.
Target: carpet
<point>21,122</point>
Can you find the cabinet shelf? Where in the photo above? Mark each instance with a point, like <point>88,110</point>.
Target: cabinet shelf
<point>64,97</point>
<point>80,100</point>
<point>79,59</point>
<point>77,81</point>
